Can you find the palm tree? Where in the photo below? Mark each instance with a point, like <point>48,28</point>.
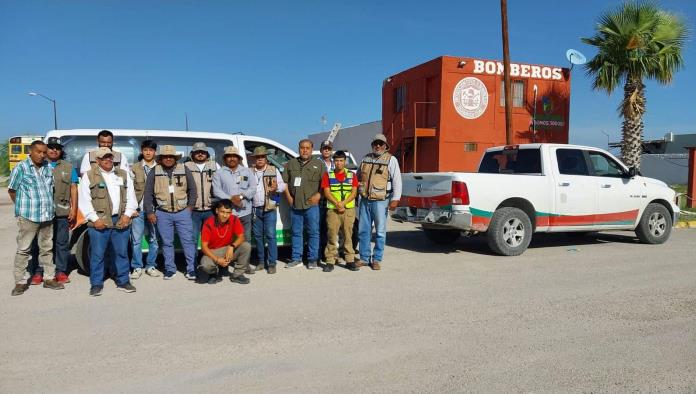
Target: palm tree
<point>636,41</point>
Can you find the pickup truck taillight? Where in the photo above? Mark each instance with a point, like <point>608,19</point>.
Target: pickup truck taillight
<point>460,193</point>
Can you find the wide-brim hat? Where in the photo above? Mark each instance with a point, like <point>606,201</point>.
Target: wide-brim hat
<point>199,147</point>
<point>103,151</point>
<point>260,151</point>
<point>380,137</point>
<point>232,150</point>
<point>169,150</point>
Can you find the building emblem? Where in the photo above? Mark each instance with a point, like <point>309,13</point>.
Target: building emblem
<point>470,98</point>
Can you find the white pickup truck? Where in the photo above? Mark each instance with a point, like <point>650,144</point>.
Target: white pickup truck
<point>537,188</point>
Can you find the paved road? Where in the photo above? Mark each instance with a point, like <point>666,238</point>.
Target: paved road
<point>602,315</point>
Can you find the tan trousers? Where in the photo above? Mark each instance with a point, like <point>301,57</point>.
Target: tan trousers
<point>26,232</point>
<point>240,258</point>
<point>342,222</point>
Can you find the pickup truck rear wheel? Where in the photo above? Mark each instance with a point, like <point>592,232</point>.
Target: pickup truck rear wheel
<point>655,225</point>
<point>509,232</point>
<point>441,236</point>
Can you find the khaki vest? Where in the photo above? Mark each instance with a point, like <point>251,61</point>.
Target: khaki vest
<point>340,190</point>
<point>374,176</point>
<point>139,179</point>
<point>93,158</point>
<point>204,183</point>
<point>101,201</point>
<point>62,180</point>
<point>177,199</point>
<point>271,199</point>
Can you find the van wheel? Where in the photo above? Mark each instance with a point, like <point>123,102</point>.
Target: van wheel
<point>509,232</point>
<point>441,236</point>
<point>655,225</point>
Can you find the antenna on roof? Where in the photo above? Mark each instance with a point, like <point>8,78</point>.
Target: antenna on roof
<point>575,57</point>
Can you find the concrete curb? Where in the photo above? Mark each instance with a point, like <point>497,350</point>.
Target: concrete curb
<point>686,224</point>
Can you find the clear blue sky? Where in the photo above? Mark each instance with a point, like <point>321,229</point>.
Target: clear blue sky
<point>273,68</point>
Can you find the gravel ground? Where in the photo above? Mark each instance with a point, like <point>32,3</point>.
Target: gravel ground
<point>599,314</point>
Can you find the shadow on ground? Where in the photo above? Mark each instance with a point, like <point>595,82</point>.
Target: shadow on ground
<point>417,242</point>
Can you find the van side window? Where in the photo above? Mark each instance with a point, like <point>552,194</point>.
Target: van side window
<point>276,156</point>
<point>571,162</point>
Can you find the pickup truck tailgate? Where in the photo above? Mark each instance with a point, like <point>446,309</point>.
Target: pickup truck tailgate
<point>427,198</point>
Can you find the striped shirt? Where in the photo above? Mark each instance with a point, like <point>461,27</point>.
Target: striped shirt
<point>34,191</point>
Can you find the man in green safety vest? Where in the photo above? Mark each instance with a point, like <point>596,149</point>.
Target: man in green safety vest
<point>340,188</point>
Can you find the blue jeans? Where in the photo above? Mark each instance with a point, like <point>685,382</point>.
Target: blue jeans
<point>180,222</point>
<point>372,211</point>
<point>140,227</point>
<point>100,241</point>
<point>198,218</point>
<point>301,219</point>
<point>61,248</point>
<point>265,226</point>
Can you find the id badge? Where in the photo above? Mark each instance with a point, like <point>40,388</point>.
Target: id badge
<point>119,181</point>
<point>298,181</point>
<point>171,189</point>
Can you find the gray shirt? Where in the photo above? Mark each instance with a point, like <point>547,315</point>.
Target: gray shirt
<point>149,203</point>
<point>228,183</point>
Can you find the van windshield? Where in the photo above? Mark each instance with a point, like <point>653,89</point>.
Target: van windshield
<point>75,147</point>
<point>511,161</point>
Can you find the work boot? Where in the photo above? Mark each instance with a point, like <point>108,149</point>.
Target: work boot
<point>272,269</point>
<point>250,270</point>
<point>241,279</point>
<point>351,266</point>
<point>376,266</point>
<point>361,263</point>
<point>19,289</point>
<point>53,284</point>
<point>328,267</point>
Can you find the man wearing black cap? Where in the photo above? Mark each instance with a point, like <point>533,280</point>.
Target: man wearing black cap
<point>65,181</point>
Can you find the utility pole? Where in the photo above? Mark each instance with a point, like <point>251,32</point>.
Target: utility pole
<point>186,115</point>
<point>506,65</point>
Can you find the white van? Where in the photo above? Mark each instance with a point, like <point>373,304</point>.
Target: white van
<point>127,141</point>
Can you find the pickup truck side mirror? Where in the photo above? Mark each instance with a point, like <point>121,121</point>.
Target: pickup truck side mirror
<point>632,172</point>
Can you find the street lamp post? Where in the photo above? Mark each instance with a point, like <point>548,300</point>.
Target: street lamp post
<point>55,113</point>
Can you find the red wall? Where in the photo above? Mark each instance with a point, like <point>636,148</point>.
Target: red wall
<point>457,142</point>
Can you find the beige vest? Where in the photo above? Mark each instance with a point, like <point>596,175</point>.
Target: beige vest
<point>204,183</point>
<point>271,199</point>
<point>176,199</point>
<point>374,176</point>
<point>139,178</point>
<point>101,201</point>
<point>62,180</point>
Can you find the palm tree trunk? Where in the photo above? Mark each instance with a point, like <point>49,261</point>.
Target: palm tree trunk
<point>632,110</point>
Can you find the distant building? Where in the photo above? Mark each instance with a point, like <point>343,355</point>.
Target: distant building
<point>665,158</point>
<point>355,139</point>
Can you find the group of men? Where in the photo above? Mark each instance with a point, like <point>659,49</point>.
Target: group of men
<point>159,197</point>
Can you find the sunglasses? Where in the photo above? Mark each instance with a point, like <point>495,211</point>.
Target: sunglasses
<point>378,143</point>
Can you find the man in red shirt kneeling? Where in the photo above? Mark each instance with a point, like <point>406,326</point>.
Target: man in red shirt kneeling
<point>222,242</point>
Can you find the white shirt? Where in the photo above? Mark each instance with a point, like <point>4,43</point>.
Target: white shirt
<point>259,198</point>
<point>112,185</point>
<point>85,165</point>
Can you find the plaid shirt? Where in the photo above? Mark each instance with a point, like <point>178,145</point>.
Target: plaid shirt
<point>34,199</point>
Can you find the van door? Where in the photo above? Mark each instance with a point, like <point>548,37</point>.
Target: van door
<point>618,196</point>
<point>575,192</point>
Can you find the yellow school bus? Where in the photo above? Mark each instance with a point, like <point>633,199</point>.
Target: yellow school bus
<point>18,148</point>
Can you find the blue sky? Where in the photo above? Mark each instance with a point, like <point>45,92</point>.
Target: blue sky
<point>273,68</point>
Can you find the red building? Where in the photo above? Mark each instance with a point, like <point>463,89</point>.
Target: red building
<point>441,115</point>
